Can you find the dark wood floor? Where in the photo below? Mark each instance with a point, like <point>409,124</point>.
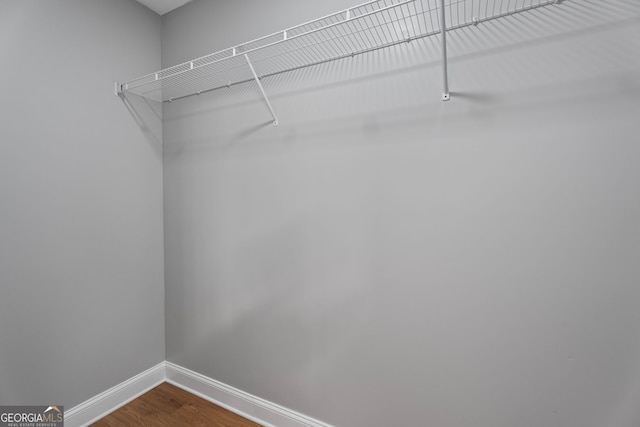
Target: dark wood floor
<point>170,406</point>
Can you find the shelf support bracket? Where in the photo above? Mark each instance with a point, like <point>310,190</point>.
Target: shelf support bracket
<point>264,94</point>
<point>118,90</point>
<point>443,32</point>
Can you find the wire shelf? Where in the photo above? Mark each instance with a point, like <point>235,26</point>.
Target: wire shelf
<point>370,26</point>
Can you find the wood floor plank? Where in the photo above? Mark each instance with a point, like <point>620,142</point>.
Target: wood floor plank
<point>170,406</point>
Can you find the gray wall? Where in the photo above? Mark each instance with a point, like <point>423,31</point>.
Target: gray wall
<point>81,241</point>
<point>383,258</point>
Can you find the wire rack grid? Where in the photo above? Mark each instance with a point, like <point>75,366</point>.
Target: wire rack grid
<point>370,26</point>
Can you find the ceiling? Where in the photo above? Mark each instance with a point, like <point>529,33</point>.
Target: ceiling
<point>163,6</point>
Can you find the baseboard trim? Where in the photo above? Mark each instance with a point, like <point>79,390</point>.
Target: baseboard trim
<point>244,404</point>
<point>103,404</point>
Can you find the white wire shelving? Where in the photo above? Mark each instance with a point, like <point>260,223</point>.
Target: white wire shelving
<point>370,26</point>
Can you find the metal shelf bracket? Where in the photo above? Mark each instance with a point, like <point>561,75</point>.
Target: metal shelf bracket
<point>443,32</point>
<point>118,90</point>
<point>264,94</point>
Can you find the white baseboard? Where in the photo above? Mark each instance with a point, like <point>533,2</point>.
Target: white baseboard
<point>101,405</point>
<point>261,411</point>
<point>244,404</point>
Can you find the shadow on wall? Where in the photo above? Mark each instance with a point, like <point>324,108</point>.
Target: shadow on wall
<point>406,78</point>
<point>147,115</point>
